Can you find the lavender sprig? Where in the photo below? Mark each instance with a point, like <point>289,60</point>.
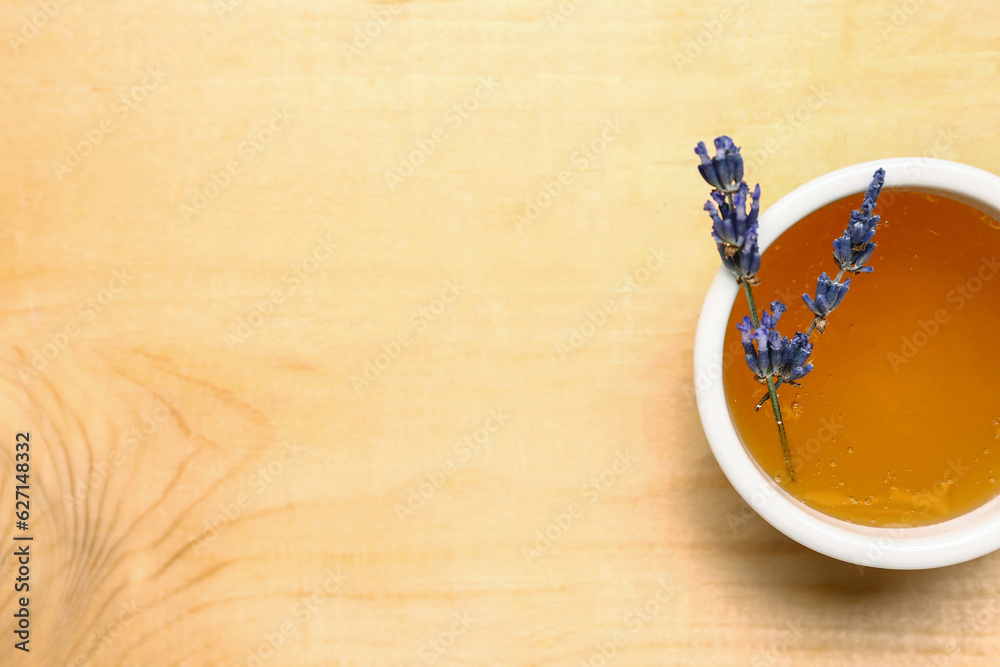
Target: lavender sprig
<point>775,359</point>
<point>735,229</point>
<point>851,252</point>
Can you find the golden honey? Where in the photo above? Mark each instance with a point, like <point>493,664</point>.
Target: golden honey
<point>899,422</point>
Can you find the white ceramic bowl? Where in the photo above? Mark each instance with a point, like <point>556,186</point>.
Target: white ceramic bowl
<point>962,538</point>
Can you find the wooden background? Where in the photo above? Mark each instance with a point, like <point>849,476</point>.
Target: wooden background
<point>361,334</point>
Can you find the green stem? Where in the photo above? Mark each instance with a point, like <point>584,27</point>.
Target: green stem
<point>766,397</point>
<point>750,302</point>
<point>785,450</point>
<point>771,390</point>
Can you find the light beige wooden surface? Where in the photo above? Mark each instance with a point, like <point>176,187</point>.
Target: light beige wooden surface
<point>216,469</point>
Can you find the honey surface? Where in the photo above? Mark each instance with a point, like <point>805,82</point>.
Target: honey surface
<point>899,422</point>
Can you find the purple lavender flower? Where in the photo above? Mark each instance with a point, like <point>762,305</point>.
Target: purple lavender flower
<point>730,224</point>
<point>853,250</point>
<point>770,320</point>
<point>829,294</point>
<point>794,354</point>
<point>734,229</point>
<point>768,353</point>
<point>745,262</point>
<point>724,172</point>
<point>874,190</point>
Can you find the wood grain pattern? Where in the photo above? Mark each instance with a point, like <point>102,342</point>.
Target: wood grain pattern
<point>360,334</point>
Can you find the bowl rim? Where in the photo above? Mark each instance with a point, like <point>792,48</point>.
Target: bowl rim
<point>959,539</point>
